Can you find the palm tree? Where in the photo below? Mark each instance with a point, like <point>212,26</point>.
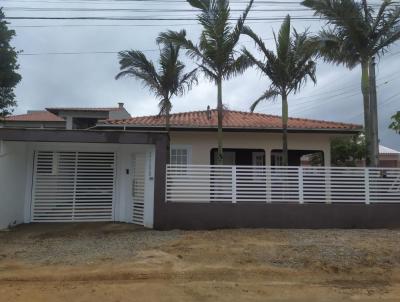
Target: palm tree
<point>170,80</point>
<point>357,34</point>
<point>287,70</point>
<point>215,54</point>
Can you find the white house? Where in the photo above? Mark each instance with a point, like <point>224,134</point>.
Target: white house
<point>117,171</point>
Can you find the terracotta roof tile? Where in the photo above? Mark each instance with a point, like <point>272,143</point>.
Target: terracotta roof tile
<point>232,119</point>
<point>35,116</point>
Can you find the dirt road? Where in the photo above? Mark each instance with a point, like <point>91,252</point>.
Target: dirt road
<point>116,262</point>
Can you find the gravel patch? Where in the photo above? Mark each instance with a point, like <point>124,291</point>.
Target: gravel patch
<point>79,243</point>
<point>338,250</point>
<point>332,251</point>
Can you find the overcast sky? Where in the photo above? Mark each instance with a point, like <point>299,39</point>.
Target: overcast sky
<point>87,79</point>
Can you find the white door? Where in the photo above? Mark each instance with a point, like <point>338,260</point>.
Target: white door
<point>73,186</point>
<point>138,187</point>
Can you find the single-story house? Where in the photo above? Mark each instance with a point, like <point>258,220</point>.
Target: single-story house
<point>249,138</point>
<point>117,171</point>
<point>388,157</point>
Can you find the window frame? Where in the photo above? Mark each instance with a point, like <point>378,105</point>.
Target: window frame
<point>188,149</point>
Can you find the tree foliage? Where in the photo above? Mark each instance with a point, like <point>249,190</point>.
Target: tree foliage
<point>346,151</point>
<point>357,30</point>
<point>288,69</point>
<point>354,34</point>
<point>169,80</point>
<point>9,77</point>
<point>215,53</point>
<point>395,124</point>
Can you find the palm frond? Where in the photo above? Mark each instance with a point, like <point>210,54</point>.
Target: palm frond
<point>200,4</point>
<point>170,80</point>
<point>381,14</point>
<point>179,39</point>
<point>237,31</point>
<point>334,48</point>
<point>267,95</point>
<point>187,81</point>
<point>257,40</point>
<point>260,65</point>
<point>283,40</point>
<point>238,66</point>
<point>135,64</point>
<point>346,15</point>
<point>208,73</point>
<point>387,30</point>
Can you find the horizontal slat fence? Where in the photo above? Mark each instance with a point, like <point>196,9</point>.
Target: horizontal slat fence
<point>73,186</point>
<point>240,184</point>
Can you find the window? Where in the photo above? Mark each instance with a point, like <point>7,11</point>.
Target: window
<point>83,123</point>
<point>298,157</point>
<point>240,157</point>
<point>276,159</point>
<point>180,155</point>
<point>229,157</point>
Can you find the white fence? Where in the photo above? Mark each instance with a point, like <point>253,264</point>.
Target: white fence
<point>239,184</point>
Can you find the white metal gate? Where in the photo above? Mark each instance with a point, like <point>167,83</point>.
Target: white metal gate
<point>73,186</point>
<point>138,188</point>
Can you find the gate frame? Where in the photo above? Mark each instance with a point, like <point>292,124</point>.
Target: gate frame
<point>158,142</point>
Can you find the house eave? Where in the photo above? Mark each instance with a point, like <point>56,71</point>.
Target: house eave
<point>113,136</point>
<point>227,129</point>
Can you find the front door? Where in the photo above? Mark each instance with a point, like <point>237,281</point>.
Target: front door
<point>138,187</point>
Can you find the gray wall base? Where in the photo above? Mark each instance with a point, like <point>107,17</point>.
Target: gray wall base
<point>216,215</point>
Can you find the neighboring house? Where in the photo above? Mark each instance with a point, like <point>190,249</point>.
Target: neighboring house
<point>66,117</point>
<point>117,171</point>
<point>388,157</point>
<point>34,119</point>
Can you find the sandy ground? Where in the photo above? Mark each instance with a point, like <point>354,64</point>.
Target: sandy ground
<point>117,262</point>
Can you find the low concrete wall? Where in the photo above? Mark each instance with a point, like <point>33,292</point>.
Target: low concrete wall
<point>217,215</point>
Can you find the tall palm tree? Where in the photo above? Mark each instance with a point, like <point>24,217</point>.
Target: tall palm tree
<point>216,53</point>
<point>170,80</point>
<point>287,70</point>
<point>358,33</point>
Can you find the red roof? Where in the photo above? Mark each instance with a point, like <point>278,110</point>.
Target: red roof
<point>35,116</point>
<point>232,119</point>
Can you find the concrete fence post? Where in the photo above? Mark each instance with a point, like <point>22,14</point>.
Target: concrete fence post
<point>233,184</point>
<point>301,185</point>
<point>366,181</point>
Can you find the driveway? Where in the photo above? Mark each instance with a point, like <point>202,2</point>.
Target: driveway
<point>115,262</point>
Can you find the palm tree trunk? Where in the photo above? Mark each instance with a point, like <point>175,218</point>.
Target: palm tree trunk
<point>220,156</point>
<point>285,113</point>
<point>365,92</point>
<point>373,107</point>
<point>167,128</point>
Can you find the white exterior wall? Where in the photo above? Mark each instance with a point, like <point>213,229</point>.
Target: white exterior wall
<point>13,176</point>
<point>16,170</point>
<point>201,143</point>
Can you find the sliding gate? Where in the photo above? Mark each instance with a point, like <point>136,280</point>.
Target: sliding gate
<point>73,186</point>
